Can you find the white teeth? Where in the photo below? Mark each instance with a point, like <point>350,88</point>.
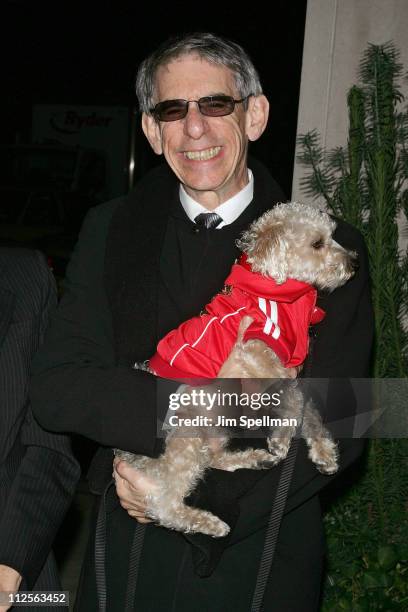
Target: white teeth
<point>202,155</point>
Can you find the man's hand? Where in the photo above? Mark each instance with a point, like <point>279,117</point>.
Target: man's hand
<point>132,486</point>
<point>10,580</point>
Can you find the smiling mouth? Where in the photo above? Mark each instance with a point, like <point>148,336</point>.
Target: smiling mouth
<point>202,155</point>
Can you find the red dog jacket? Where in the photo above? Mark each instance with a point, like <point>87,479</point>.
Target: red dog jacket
<point>281,317</point>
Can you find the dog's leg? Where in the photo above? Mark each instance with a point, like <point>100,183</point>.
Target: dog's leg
<point>322,448</point>
<point>252,458</point>
<point>280,438</point>
<point>177,472</point>
<point>173,514</point>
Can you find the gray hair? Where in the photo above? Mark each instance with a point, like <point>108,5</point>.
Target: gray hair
<point>213,49</point>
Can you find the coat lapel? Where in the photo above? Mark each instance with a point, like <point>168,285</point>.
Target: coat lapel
<point>132,264</point>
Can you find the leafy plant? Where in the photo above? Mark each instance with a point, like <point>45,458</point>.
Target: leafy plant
<point>367,536</point>
<point>364,183</point>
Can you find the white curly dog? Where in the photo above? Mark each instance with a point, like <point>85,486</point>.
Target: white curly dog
<point>291,241</point>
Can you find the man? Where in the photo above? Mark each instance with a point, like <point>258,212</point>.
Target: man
<point>143,264</point>
<point>38,473</point>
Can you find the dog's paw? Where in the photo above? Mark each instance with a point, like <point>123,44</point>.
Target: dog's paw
<point>278,448</point>
<point>328,468</point>
<point>270,462</point>
<point>213,526</point>
<point>324,454</point>
<point>221,530</point>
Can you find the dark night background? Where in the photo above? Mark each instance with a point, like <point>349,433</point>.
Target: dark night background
<point>88,52</point>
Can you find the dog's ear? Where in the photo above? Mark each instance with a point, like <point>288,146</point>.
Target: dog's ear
<point>265,248</point>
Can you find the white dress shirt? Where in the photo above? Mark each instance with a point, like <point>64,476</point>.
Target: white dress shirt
<point>228,211</point>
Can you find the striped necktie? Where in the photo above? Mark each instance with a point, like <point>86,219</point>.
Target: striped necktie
<point>208,220</point>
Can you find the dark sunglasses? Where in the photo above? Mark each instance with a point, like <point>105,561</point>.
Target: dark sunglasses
<point>211,106</point>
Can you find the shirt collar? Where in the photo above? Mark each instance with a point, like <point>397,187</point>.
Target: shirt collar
<point>229,211</point>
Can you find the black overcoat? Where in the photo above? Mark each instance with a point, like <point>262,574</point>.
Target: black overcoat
<point>84,383</point>
<point>38,472</point>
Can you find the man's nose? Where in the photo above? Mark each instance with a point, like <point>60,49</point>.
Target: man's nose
<point>195,123</point>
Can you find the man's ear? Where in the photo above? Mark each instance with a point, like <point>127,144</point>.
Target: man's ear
<point>256,116</point>
<point>151,130</point>
<point>265,248</point>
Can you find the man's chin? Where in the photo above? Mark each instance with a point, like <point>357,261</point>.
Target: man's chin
<point>196,187</point>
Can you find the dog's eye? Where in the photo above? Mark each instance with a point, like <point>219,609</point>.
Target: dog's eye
<point>318,244</point>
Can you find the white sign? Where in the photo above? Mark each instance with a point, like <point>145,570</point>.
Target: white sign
<point>106,128</point>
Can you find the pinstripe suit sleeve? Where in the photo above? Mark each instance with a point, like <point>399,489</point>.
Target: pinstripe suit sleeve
<point>43,487</point>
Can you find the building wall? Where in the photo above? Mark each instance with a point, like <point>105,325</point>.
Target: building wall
<point>336,34</point>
